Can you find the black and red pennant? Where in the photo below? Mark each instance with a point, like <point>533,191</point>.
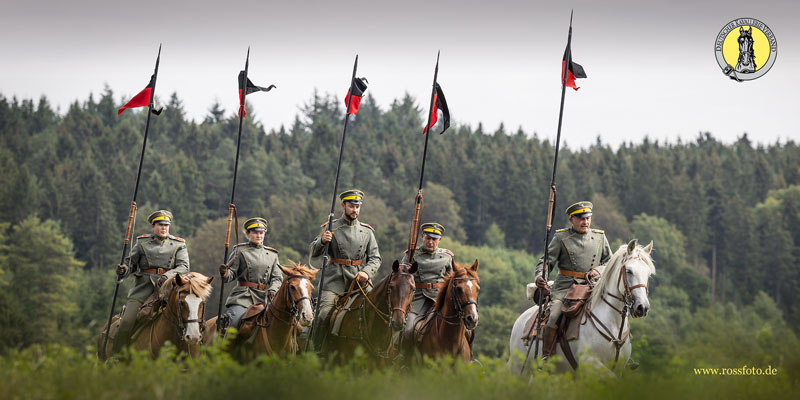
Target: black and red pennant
<point>439,103</point>
<point>574,71</point>
<point>251,88</point>
<point>353,99</point>
<point>142,99</point>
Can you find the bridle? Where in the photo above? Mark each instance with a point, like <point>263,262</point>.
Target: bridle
<point>386,316</point>
<point>460,314</point>
<point>627,302</point>
<point>293,313</point>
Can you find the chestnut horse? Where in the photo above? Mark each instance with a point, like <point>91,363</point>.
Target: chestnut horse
<point>277,326</point>
<point>180,321</point>
<point>371,320</point>
<point>455,315</point>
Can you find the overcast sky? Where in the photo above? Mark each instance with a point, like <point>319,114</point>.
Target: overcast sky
<point>651,66</point>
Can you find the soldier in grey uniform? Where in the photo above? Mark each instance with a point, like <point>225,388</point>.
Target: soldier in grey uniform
<point>434,263</point>
<point>579,253</point>
<point>353,254</point>
<point>255,266</point>
<point>155,257</point>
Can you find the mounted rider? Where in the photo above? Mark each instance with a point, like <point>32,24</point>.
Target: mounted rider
<point>434,263</point>
<point>155,258</point>
<point>255,267</point>
<point>579,253</point>
<point>353,256</point>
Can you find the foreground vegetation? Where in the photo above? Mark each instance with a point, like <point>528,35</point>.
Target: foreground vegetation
<point>61,373</point>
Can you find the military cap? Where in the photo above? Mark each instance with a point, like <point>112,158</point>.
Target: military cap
<point>433,229</point>
<point>160,217</point>
<point>255,224</point>
<point>354,196</point>
<point>580,209</point>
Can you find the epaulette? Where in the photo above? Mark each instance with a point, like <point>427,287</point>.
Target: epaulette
<point>598,231</point>
<point>562,230</point>
<point>240,244</point>
<point>271,248</point>
<point>448,252</point>
<point>177,238</point>
<point>367,225</point>
<point>143,236</point>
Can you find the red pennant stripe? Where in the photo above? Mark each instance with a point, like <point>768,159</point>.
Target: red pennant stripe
<point>434,113</point>
<point>355,102</point>
<point>570,76</point>
<point>140,100</point>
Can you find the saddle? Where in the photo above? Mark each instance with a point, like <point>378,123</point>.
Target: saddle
<point>343,304</point>
<point>249,322</point>
<point>422,325</point>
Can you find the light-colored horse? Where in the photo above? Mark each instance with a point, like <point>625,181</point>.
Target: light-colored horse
<point>604,337</point>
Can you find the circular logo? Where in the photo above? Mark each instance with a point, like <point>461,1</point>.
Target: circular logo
<point>745,49</point>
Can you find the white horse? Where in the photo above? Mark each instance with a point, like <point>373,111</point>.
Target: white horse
<point>604,339</point>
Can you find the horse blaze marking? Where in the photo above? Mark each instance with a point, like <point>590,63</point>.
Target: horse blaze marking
<point>304,293</point>
<point>194,306</point>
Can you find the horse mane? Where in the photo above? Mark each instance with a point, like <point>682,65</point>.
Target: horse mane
<point>302,269</point>
<point>197,283</point>
<point>460,270</point>
<point>611,267</point>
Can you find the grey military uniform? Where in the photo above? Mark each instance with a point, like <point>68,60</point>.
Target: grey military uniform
<point>258,265</point>
<point>575,252</point>
<point>352,242</point>
<point>167,255</point>
<point>432,267</point>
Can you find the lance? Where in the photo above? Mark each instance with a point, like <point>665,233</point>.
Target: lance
<point>231,205</point>
<point>132,214</point>
<point>325,258</point>
<point>551,203</point>
<point>412,237</point>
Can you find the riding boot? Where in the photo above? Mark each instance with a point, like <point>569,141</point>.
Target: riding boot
<point>120,341</point>
<point>548,341</point>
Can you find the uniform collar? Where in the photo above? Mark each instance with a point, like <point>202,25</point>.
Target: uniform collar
<point>421,249</point>
<point>345,221</point>
<point>576,232</point>
<point>251,244</point>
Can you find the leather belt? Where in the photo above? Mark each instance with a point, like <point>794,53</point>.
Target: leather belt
<point>258,286</point>
<point>154,271</point>
<point>572,274</point>
<point>437,285</point>
<point>349,263</point>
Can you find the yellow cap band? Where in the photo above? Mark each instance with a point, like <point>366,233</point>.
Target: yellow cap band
<point>160,218</point>
<point>431,230</point>
<point>255,225</point>
<point>353,197</point>
<point>580,211</point>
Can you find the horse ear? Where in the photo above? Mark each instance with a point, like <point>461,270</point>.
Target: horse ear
<point>474,267</point>
<point>286,271</point>
<point>178,280</point>
<point>210,278</point>
<point>649,247</point>
<point>632,246</point>
<point>395,266</point>
<point>414,268</point>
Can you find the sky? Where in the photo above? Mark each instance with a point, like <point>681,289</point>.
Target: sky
<point>650,65</point>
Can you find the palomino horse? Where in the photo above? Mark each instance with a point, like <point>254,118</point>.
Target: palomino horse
<point>371,320</point>
<point>180,321</point>
<point>278,323</point>
<point>455,315</point>
<point>746,61</point>
<point>604,335</point>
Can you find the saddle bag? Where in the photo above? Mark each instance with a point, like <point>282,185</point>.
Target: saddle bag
<point>574,300</point>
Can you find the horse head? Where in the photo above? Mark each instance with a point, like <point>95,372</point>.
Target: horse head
<point>638,266</point>
<point>464,287</point>
<point>187,297</point>
<point>401,292</point>
<point>296,291</point>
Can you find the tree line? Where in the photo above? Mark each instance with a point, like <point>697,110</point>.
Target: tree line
<point>724,216</point>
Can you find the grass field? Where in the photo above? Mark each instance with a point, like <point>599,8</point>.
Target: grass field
<point>64,373</point>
